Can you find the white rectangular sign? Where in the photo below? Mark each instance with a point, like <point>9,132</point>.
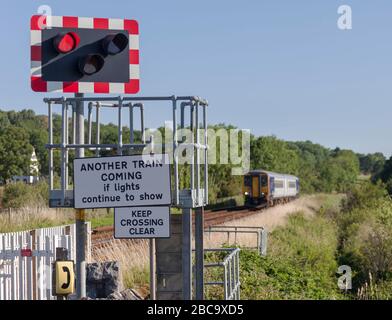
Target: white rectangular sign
<point>141,222</point>
<point>122,181</point>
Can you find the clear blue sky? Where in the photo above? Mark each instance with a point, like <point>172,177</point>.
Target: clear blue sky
<point>271,66</point>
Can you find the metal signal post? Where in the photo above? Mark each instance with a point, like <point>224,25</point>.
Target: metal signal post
<point>100,56</point>
<point>80,213</point>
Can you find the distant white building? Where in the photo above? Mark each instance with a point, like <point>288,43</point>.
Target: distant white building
<point>34,165</point>
<point>34,171</point>
<point>25,179</point>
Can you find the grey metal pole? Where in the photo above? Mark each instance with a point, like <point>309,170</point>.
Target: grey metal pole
<point>66,143</point>
<point>205,126</point>
<point>80,213</point>
<point>142,123</point>
<point>175,156</point>
<point>90,109</point>
<point>197,167</point>
<point>120,137</point>
<point>199,248</point>
<point>73,123</point>
<point>152,270</point>
<point>199,219</point>
<point>192,125</point>
<point>50,142</point>
<point>63,145</point>
<point>187,253</point>
<point>131,133</point>
<point>97,119</point>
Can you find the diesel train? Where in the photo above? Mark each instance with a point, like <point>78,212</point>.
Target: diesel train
<point>265,188</point>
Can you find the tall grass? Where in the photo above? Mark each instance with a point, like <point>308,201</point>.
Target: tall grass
<point>375,291</point>
<point>28,218</point>
<point>12,220</point>
<point>133,257</point>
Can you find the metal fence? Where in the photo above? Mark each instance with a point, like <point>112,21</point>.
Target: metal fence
<point>231,272</point>
<point>261,235</point>
<point>26,261</point>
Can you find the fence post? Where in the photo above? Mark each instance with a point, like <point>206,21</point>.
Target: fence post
<point>21,274</point>
<point>238,275</point>
<point>263,244</point>
<point>225,282</point>
<point>233,275</point>
<point>34,262</point>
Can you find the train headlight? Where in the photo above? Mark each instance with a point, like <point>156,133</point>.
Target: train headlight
<point>262,193</point>
<point>246,193</point>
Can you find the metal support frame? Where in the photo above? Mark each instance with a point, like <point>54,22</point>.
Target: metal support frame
<point>194,197</point>
<point>231,273</point>
<point>188,198</point>
<point>261,235</point>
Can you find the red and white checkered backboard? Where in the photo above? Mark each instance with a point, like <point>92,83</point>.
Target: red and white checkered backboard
<point>40,23</point>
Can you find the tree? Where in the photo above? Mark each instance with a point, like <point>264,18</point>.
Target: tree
<point>312,159</point>
<point>371,163</point>
<point>385,175</point>
<point>270,153</point>
<point>4,122</point>
<point>15,152</point>
<point>340,172</point>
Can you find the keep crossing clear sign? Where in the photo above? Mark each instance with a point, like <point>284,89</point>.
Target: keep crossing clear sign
<point>142,222</point>
<point>122,181</point>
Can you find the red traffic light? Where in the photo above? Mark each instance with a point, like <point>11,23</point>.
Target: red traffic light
<point>91,64</point>
<point>115,43</point>
<point>66,42</point>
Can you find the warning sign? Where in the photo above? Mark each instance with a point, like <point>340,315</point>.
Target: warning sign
<point>123,181</point>
<point>142,222</point>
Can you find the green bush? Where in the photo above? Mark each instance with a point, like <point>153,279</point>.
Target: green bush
<point>365,233</point>
<point>20,195</point>
<point>300,263</point>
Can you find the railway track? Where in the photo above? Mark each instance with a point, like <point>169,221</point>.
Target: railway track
<point>103,235</point>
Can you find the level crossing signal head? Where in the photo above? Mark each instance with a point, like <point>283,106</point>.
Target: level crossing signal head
<point>84,55</point>
<point>66,42</point>
<point>115,43</point>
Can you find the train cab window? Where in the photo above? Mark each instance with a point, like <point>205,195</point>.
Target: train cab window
<point>248,181</point>
<point>264,180</point>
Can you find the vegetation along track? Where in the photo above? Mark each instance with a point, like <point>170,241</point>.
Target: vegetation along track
<point>103,235</point>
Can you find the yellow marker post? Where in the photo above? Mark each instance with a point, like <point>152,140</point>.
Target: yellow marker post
<point>80,214</point>
<point>65,277</point>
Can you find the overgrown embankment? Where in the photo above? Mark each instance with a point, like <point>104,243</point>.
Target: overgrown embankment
<point>301,262</point>
<point>304,254</point>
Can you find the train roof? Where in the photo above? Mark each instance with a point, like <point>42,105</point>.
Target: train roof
<point>270,173</point>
